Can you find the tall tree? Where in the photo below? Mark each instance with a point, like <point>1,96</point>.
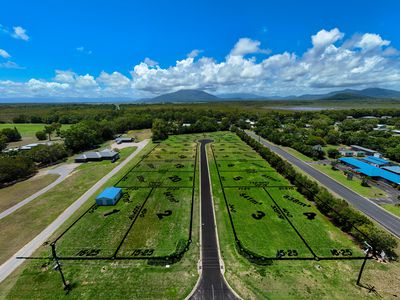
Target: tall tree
<point>159,130</point>
<point>3,142</point>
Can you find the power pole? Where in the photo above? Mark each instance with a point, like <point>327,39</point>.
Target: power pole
<point>369,248</point>
<point>67,286</point>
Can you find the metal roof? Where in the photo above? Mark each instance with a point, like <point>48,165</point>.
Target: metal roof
<point>376,160</point>
<point>363,149</point>
<point>393,169</point>
<point>107,153</point>
<point>109,193</point>
<point>370,170</point>
<point>92,154</point>
<point>124,139</point>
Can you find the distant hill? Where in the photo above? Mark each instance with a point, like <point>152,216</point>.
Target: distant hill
<point>240,96</point>
<point>190,96</point>
<point>349,94</point>
<point>379,93</point>
<point>185,96</point>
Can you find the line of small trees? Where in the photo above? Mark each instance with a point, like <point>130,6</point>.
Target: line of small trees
<point>161,128</point>
<point>337,210</point>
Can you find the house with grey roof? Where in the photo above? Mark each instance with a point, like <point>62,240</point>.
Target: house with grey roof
<point>97,156</point>
<point>120,140</point>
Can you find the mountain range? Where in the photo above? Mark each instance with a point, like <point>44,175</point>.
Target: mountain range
<point>347,94</point>
<point>191,96</point>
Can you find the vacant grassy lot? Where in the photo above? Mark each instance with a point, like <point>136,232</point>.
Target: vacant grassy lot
<point>165,225</point>
<point>140,134</point>
<point>24,224</point>
<point>288,279</point>
<point>11,195</point>
<point>269,216</point>
<point>124,279</point>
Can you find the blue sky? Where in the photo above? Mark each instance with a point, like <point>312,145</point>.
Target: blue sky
<point>98,48</point>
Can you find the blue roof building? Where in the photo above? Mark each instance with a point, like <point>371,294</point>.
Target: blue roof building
<point>376,161</point>
<point>109,196</point>
<point>370,170</point>
<point>393,169</point>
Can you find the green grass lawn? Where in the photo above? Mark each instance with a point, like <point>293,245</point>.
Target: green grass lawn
<point>95,231</point>
<point>120,279</point>
<point>11,195</point>
<point>394,209</point>
<point>165,225</point>
<point>354,184</point>
<point>297,154</point>
<point>27,132</point>
<point>271,218</point>
<point>327,147</point>
<point>291,279</point>
<point>140,134</point>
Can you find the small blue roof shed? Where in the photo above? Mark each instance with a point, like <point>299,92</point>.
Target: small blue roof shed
<point>109,196</point>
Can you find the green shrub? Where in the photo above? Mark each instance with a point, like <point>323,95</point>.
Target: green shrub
<point>41,135</point>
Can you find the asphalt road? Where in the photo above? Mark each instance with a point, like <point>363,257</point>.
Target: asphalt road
<point>386,219</point>
<point>212,284</point>
<point>63,171</point>
<point>12,263</point>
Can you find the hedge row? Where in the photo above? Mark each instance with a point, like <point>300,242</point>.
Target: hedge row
<point>337,210</point>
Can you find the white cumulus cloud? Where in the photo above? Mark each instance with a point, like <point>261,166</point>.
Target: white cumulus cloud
<point>10,65</point>
<point>150,62</point>
<point>83,50</point>
<point>20,33</point>
<point>247,46</point>
<point>325,38</point>
<point>331,62</point>
<point>194,53</point>
<point>371,40</point>
<point>4,54</point>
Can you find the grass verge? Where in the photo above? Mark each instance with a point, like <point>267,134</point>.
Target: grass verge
<point>15,193</point>
<point>394,209</point>
<point>297,154</point>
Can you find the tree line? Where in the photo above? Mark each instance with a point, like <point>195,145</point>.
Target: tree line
<point>19,165</point>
